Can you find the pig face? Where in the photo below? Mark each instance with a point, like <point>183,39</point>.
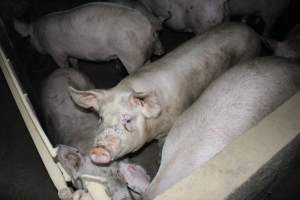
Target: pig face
<point>125,118</point>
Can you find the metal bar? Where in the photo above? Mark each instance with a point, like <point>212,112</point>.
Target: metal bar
<point>42,143</point>
<point>44,147</point>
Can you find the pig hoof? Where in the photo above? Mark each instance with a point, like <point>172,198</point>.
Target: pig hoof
<point>100,155</point>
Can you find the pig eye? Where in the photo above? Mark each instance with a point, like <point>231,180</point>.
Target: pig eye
<point>126,121</point>
<point>128,127</point>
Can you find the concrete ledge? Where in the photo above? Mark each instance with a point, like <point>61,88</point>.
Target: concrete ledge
<point>250,165</point>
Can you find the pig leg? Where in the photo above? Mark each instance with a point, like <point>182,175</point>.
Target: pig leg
<point>131,55</point>
<point>61,60</point>
<point>158,47</point>
<point>135,176</point>
<point>131,63</point>
<point>120,68</point>
<point>74,62</point>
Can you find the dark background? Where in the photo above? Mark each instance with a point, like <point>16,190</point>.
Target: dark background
<point>22,174</point>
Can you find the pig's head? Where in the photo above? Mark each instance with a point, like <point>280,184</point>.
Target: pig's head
<point>26,30</point>
<point>126,118</point>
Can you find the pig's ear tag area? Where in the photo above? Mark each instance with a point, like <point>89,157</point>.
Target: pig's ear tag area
<point>147,103</point>
<point>86,99</point>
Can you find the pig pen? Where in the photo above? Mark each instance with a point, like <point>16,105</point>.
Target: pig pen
<point>275,176</point>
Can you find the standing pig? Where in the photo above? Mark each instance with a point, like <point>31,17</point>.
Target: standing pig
<point>231,105</point>
<point>70,125</point>
<point>94,31</point>
<point>144,105</point>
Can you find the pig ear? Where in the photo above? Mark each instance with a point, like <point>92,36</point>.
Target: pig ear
<point>147,103</point>
<point>21,28</point>
<point>86,99</point>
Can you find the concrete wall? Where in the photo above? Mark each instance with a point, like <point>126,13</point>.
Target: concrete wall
<point>251,165</point>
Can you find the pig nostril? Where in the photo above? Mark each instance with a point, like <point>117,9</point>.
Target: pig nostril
<point>100,155</point>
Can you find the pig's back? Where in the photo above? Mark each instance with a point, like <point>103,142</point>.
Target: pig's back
<point>66,123</point>
<point>93,30</point>
<point>248,92</point>
<point>239,99</point>
<point>231,105</point>
<point>188,69</point>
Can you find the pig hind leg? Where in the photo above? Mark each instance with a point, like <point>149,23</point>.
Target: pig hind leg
<point>61,59</point>
<point>74,62</point>
<point>158,47</point>
<point>132,62</point>
<point>120,68</point>
<point>133,51</point>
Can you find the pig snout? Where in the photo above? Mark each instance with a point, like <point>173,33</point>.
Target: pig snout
<point>100,155</point>
<point>105,149</point>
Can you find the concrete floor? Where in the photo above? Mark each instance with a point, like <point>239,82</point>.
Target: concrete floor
<point>22,175</point>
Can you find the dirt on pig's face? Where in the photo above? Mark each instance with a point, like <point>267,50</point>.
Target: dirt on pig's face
<point>124,117</point>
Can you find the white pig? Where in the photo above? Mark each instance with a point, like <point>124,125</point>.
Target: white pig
<point>68,124</point>
<point>144,105</point>
<point>231,105</point>
<point>95,31</point>
<point>200,15</point>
